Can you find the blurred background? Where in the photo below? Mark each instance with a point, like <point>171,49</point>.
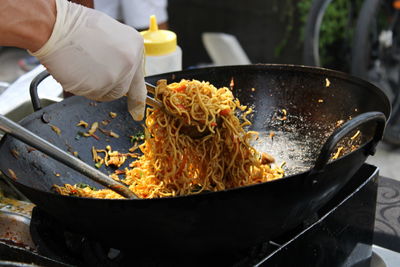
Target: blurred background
<point>359,37</point>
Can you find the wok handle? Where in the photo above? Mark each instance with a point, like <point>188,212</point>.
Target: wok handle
<point>33,89</point>
<point>56,153</point>
<point>341,132</point>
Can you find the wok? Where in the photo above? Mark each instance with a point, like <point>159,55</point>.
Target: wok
<point>316,101</point>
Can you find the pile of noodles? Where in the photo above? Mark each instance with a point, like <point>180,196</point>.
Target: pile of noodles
<point>175,164</point>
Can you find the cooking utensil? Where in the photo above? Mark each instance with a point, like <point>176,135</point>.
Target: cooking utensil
<point>150,100</point>
<point>191,131</point>
<point>12,128</point>
<point>316,101</point>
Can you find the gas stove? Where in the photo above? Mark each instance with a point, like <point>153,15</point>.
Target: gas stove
<point>340,234</point>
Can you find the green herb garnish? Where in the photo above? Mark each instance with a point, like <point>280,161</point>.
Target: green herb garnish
<point>83,185</point>
<point>137,137</point>
<point>98,165</point>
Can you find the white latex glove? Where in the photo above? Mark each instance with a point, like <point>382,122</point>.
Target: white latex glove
<point>93,55</point>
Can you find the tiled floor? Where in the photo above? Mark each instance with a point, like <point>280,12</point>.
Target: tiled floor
<point>387,158</point>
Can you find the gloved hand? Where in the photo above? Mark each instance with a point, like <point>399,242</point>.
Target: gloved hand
<point>93,55</point>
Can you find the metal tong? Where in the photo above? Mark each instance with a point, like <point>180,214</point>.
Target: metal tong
<point>150,100</point>
<point>191,131</point>
<point>154,102</point>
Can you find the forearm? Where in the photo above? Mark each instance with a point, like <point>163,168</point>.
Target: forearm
<point>26,24</point>
<point>87,3</point>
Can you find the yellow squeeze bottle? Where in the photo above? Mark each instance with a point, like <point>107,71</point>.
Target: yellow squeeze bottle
<point>162,51</point>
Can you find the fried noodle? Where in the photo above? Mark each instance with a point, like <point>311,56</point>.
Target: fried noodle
<point>175,164</point>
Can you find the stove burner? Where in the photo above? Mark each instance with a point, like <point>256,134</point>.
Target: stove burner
<point>340,234</point>
<point>55,242</point>
<point>52,241</point>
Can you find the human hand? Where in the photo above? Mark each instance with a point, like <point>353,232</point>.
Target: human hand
<point>93,55</point>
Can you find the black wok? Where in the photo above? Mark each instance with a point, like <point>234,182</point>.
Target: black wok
<point>315,100</point>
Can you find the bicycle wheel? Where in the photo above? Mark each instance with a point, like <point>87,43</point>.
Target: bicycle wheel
<point>376,55</point>
<point>376,48</point>
<point>311,34</point>
<point>328,33</point>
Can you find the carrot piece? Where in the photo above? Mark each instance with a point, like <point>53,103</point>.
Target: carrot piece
<point>225,112</point>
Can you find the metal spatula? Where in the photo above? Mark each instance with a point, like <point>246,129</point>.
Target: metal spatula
<point>56,153</point>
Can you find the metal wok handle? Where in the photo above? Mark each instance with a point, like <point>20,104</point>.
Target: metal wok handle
<point>35,141</point>
<point>340,133</point>
<point>33,89</point>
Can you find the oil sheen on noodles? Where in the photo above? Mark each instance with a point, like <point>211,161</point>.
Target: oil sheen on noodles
<point>174,164</point>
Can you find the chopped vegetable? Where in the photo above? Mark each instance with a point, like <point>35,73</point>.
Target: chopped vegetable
<point>14,153</point>
<point>56,129</point>
<point>119,172</point>
<point>98,164</point>
<point>91,131</point>
<point>337,153</point>
<point>355,136</point>
<point>137,137</point>
<point>83,185</point>
<point>112,134</point>
<point>267,158</point>
<point>327,82</point>
<point>271,134</point>
<point>181,88</point>
<point>94,127</point>
<point>109,133</point>
<point>94,153</point>
<point>225,112</point>
<point>113,115</point>
<point>95,137</point>
<point>134,147</point>
<point>84,124</point>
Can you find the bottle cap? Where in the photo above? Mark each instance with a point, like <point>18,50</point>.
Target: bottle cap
<point>158,42</point>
